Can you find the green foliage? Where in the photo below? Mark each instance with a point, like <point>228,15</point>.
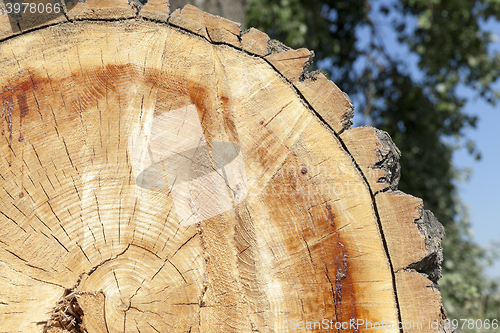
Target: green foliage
<point>420,108</point>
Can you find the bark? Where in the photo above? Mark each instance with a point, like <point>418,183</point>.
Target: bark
<point>164,172</point>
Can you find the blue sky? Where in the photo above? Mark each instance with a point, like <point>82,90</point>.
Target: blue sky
<point>481,192</point>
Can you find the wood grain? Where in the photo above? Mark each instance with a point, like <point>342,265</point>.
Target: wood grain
<point>313,237</point>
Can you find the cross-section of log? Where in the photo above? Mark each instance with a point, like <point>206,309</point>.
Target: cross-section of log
<point>172,174</point>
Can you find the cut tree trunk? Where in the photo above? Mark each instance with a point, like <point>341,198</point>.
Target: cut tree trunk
<point>165,172</point>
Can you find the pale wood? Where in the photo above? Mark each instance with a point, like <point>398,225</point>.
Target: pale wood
<point>317,235</point>
<point>213,28</point>
<point>156,10</point>
<point>5,26</point>
<point>190,19</point>
<point>421,302</point>
<point>290,64</point>
<point>255,41</point>
<point>398,213</point>
<point>102,9</point>
<point>368,148</point>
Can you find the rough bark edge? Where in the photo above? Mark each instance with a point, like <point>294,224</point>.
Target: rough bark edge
<point>403,216</point>
<point>378,160</point>
<point>388,161</point>
<point>433,233</point>
<point>329,103</point>
<point>380,153</point>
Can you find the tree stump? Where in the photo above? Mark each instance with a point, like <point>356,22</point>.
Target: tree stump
<point>166,172</point>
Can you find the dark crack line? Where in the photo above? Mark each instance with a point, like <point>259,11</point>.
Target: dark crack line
<point>333,291</point>
<point>99,216</point>
<point>64,247</point>
<point>117,284</point>
<point>272,118</point>
<point>180,247</point>
<point>13,221</point>
<point>177,271</point>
